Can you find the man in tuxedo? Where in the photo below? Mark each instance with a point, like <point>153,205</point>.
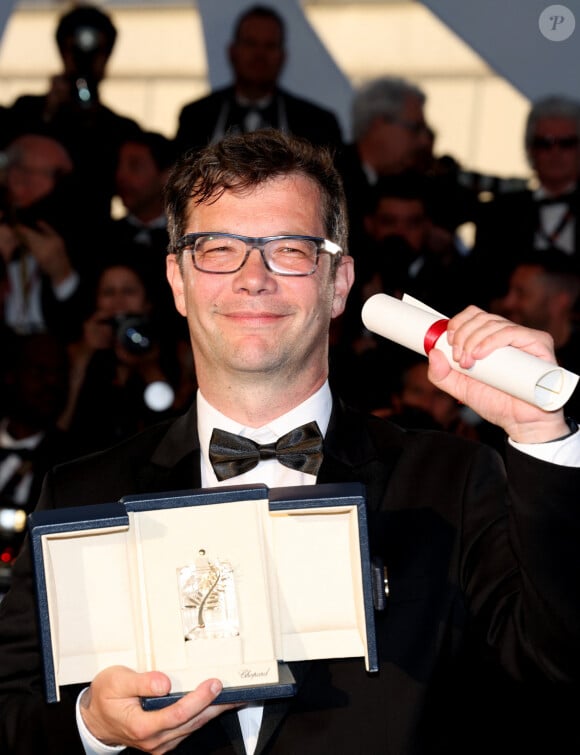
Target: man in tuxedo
<point>259,268</point>
<point>541,218</point>
<point>254,99</point>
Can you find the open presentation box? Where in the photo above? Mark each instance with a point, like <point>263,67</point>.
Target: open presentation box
<point>228,582</point>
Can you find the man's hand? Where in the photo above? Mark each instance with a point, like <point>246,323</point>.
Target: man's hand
<point>49,250</point>
<point>58,96</point>
<point>112,712</point>
<point>474,334</point>
<point>98,332</point>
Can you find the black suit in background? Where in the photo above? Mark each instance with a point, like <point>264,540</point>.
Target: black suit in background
<point>506,232</point>
<point>206,120</point>
<point>463,569</point>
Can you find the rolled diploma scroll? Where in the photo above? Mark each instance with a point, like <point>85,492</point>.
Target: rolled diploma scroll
<point>511,370</point>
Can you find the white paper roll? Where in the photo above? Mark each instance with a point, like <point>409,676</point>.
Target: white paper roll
<point>511,370</point>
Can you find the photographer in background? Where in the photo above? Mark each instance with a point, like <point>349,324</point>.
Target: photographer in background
<point>72,110</point>
<point>40,279</point>
<point>122,378</point>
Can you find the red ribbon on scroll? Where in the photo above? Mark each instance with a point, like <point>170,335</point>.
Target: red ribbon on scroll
<point>432,335</point>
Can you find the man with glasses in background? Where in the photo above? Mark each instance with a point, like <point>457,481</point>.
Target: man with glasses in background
<point>514,224</point>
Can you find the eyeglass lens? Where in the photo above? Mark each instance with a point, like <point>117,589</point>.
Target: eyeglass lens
<point>222,254</point>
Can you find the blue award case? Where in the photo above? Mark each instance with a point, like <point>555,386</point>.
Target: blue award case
<point>228,582</point>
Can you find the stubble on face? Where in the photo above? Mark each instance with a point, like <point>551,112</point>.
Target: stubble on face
<point>253,330</point>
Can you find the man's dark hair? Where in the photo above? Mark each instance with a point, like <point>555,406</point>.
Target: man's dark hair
<point>89,16</point>
<point>410,186</point>
<point>242,162</point>
<point>260,11</point>
<point>559,270</point>
<point>163,150</point>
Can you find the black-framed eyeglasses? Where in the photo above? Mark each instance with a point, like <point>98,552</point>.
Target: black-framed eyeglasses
<point>549,142</point>
<point>222,253</point>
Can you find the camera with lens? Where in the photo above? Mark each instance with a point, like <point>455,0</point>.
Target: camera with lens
<point>86,44</point>
<point>134,332</point>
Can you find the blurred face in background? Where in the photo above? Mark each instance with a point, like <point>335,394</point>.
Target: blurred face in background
<point>35,164</point>
<point>38,383</point>
<point>404,218</point>
<point>257,55</point>
<point>85,53</point>
<point>393,145</point>
<point>120,290</point>
<point>529,300</point>
<point>139,181</point>
<point>555,152</point>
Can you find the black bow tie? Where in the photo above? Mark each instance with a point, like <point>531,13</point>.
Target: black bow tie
<point>232,455</point>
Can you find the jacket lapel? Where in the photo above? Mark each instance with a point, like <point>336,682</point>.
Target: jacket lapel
<point>175,462</point>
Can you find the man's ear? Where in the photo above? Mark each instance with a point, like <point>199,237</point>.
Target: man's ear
<point>175,278</point>
<point>342,284</point>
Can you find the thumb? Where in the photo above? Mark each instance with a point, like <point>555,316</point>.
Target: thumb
<point>123,682</point>
<point>439,367</point>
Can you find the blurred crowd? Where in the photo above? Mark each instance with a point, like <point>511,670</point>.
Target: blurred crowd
<point>93,349</point>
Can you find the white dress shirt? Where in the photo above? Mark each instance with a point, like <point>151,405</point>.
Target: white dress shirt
<point>23,304</point>
<point>13,463</point>
<point>551,217</point>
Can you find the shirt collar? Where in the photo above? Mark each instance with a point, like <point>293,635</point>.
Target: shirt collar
<point>260,104</point>
<point>317,407</point>
<point>370,173</point>
<point>159,222</point>
<point>542,193</point>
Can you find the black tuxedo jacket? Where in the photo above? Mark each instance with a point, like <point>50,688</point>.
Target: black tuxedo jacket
<point>505,234</point>
<point>472,559</point>
<point>197,120</point>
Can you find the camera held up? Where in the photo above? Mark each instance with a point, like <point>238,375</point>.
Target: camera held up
<point>134,332</point>
<point>85,46</point>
